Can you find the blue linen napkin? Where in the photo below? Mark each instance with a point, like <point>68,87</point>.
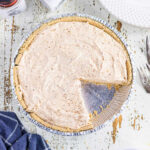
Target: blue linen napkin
<point>13,136</point>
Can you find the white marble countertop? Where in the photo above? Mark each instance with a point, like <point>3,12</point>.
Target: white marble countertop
<point>134,131</point>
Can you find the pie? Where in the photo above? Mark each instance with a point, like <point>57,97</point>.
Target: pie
<point>57,59</point>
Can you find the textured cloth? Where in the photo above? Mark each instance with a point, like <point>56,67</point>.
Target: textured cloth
<point>52,4</point>
<point>14,137</point>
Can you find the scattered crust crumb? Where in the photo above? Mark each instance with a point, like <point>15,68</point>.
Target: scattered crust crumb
<point>107,106</point>
<point>119,25</point>
<point>142,117</point>
<point>109,87</point>
<point>90,115</point>
<point>136,122</point>
<point>139,127</point>
<point>101,107</point>
<point>114,125</point>
<point>133,125</point>
<point>120,121</point>
<point>95,112</point>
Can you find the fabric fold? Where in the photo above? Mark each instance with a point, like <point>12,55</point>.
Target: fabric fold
<point>13,136</point>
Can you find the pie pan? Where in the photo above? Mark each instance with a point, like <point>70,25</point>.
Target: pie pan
<point>115,105</point>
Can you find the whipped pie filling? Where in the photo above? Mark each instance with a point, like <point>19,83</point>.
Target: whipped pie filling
<point>61,55</point>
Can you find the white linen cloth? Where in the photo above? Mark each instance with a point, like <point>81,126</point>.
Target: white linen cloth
<point>51,4</point>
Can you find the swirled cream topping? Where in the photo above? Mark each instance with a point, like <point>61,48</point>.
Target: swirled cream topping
<point>60,57</point>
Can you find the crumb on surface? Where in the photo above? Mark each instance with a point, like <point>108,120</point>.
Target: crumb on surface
<point>95,112</point>
<point>90,115</point>
<point>115,123</point>
<point>120,121</point>
<point>119,26</point>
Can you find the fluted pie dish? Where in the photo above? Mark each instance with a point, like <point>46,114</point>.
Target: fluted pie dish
<point>54,62</point>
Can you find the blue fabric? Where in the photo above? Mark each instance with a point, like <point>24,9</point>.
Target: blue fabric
<point>14,137</point>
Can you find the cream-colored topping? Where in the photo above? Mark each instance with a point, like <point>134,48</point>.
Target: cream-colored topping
<point>60,56</point>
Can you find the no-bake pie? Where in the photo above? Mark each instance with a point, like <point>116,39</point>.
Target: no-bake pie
<point>56,59</point>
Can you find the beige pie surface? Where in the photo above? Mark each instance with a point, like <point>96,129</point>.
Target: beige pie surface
<point>50,71</point>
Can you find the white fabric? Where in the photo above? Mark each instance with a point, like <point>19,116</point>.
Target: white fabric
<point>135,12</point>
<point>51,4</point>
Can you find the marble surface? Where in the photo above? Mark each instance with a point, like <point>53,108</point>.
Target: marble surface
<point>134,130</point>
